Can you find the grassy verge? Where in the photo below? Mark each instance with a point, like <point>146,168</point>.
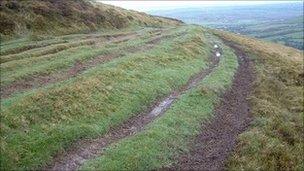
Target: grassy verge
<point>37,124</point>
<point>170,134</point>
<point>275,139</point>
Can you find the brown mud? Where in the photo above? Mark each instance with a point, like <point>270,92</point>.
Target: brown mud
<point>212,147</point>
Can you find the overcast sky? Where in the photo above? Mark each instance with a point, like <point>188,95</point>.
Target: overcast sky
<point>161,5</point>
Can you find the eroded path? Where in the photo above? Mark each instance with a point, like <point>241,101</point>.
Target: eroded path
<point>80,67</point>
<point>214,144</point>
<point>84,150</point>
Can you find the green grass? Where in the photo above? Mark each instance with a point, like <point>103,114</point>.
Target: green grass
<point>40,122</point>
<point>169,135</point>
<point>46,64</point>
<point>26,49</point>
<point>87,105</point>
<point>45,50</point>
<point>29,43</point>
<point>275,138</point>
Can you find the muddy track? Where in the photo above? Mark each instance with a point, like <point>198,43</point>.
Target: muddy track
<point>84,150</point>
<point>78,68</point>
<point>212,147</point>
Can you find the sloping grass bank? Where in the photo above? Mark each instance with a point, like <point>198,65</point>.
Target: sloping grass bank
<point>38,124</point>
<point>170,134</point>
<point>275,139</point>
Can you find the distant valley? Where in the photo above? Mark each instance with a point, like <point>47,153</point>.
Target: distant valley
<point>261,21</point>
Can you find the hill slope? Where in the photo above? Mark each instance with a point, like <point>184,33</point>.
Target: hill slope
<point>69,16</point>
<point>146,96</point>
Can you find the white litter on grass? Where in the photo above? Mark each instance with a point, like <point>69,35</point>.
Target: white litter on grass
<point>215,46</point>
<point>217,54</point>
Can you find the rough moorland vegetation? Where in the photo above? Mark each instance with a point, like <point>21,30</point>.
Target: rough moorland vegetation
<point>19,18</point>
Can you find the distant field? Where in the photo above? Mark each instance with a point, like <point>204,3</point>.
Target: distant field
<point>267,22</point>
<point>288,32</point>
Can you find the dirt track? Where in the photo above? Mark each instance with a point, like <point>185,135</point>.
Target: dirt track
<point>217,139</point>
<point>87,149</point>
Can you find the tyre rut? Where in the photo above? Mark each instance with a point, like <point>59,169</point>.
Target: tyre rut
<point>84,150</point>
<point>88,40</point>
<point>212,147</point>
<point>78,68</point>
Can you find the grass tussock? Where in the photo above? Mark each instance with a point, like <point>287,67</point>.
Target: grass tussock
<point>275,138</point>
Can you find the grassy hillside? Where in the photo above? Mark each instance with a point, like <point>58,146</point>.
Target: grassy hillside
<point>89,103</point>
<point>274,141</point>
<point>169,135</point>
<point>74,71</point>
<point>55,17</point>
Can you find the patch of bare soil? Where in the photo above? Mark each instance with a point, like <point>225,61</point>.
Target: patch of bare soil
<point>211,148</point>
<point>78,68</point>
<point>84,150</point>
